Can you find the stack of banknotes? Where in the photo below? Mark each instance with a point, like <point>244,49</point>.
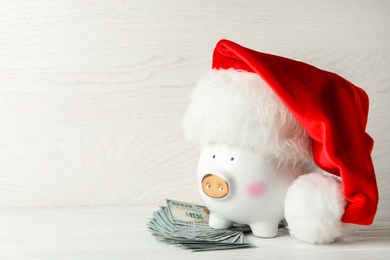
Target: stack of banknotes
<point>186,224</point>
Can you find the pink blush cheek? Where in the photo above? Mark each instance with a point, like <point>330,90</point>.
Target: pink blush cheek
<point>256,189</point>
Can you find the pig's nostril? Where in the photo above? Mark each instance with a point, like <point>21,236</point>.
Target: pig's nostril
<point>208,186</point>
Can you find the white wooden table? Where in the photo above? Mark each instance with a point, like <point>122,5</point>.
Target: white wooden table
<point>121,233</point>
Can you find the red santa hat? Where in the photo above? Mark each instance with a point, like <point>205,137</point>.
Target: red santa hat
<point>330,109</point>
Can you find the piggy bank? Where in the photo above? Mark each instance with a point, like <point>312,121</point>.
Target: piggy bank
<point>281,139</point>
<point>239,185</point>
<point>252,149</point>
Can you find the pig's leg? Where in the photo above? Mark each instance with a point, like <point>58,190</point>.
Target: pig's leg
<point>265,229</point>
<point>217,222</point>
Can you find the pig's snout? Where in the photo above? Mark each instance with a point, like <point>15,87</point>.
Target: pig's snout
<point>215,186</point>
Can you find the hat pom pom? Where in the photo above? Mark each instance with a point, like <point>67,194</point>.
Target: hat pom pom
<point>314,206</point>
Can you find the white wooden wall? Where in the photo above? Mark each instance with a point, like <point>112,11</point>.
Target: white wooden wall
<point>92,91</point>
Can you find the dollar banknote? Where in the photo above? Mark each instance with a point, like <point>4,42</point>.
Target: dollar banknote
<point>186,225</point>
<point>188,214</point>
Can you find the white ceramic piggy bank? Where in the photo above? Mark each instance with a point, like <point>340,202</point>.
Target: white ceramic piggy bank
<point>263,121</point>
<point>238,185</point>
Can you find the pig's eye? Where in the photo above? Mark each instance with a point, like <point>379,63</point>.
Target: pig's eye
<point>232,159</point>
<point>214,156</point>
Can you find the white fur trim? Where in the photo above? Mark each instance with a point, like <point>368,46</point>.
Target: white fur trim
<point>314,206</point>
<point>238,108</point>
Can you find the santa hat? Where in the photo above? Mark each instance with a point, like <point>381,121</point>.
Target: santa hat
<point>331,110</point>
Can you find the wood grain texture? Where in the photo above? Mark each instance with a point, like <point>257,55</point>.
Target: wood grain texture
<point>92,92</point>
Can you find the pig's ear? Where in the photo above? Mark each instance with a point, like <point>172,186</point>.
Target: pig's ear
<point>314,206</point>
